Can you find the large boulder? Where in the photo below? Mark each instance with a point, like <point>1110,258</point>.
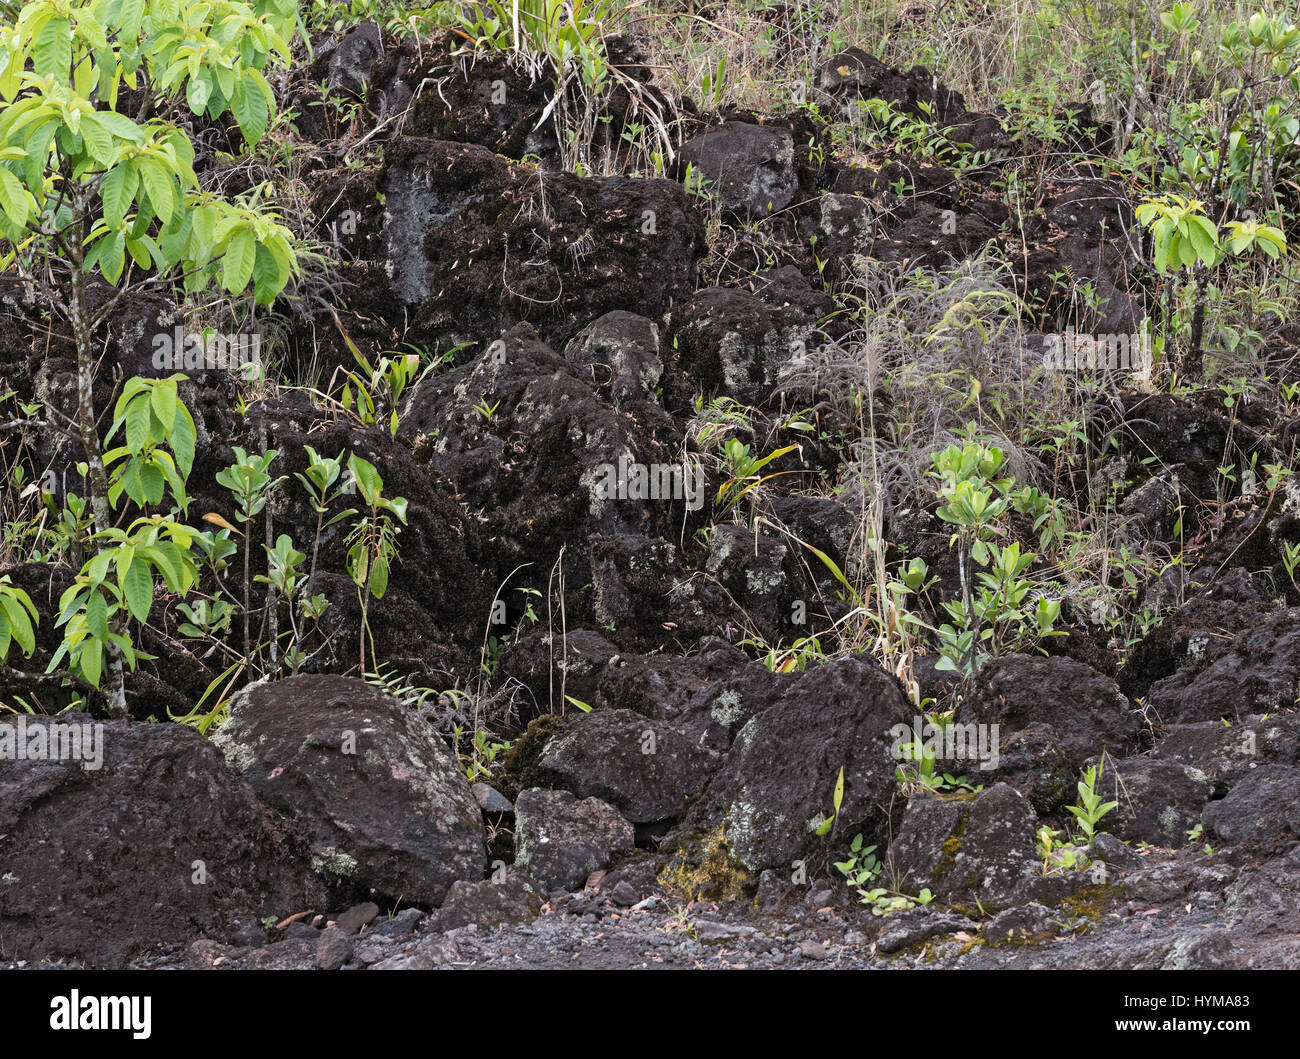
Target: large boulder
<point>1158,801</point>
<point>733,342</point>
<point>1226,754</point>
<point>1087,709</point>
<point>367,781</point>
<point>473,244</point>
<point>974,851</point>
<point>660,685</point>
<point>750,168</point>
<point>775,784</point>
<point>618,353</point>
<point>1256,671</point>
<point>560,841</point>
<point>550,464</point>
<point>644,768</point>
<point>1264,806</point>
<point>1033,762</point>
<point>143,842</point>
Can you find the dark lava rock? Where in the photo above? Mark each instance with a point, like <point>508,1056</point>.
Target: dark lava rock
<point>159,842</point>
<point>491,800</point>
<point>488,902</point>
<point>1159,801</point>
<point>1233,602</point>
<point>1034,763</point>
<point>660,685</point>
<point>967,849</point>
<point>1256,671</point>
<point>733,342</point>
<point>1263,806</point>
<point>544,662</point>
<point>776,782</point>
<point>560,840</point>
<point>382,799</point>
<point>624,894</point>
<point>1088,710</point>
<point>645,769</point>
<point>474,245</point>
<point>403,923</point>
<point>333,949</point>
<point>428,954</point>
<point>1226,754</point>
<point>856,74</point>
<point>356,917</point>
<point>1114,852</point>
<point>914,925</point>
<point>618,354</point>
<point>750,168</point>
<point>1025,923</point>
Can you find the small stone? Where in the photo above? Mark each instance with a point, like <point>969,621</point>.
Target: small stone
<point>1027,922</point>
<point>1106,847</point>
<point>250,936</point>
<point>403,923</point>
<point>333,950</point>
<point>918,924</point>
<point>369,952</point>
<point>812,950</point>
<point>428,954</point>
<point>356,917</point>
<point>708,930</point>
<point>301,932</point>
<point>624,894</point>
<point>490,800</point>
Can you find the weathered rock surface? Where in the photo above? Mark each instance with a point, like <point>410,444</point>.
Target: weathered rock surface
<point>375,791</point>
<point>157,844</point>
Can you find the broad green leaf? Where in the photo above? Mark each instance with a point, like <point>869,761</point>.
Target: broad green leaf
<point>237,263</point>
<point>152,483</point>
<point>159,186</point>
<point>379,577</point>
<point>130,14</point>
<point>163,400</point>
<point>137,424</point>
<point>267,282</point>
<point>91,660</point>
<point>13,198</point>
<point>250,111</point>
<point>117,191</point>
<point>97,616</point>
<point>52,50</point>
<point>137,589</point>
<point>197,93</point>
<point>182,439</point>
<point>98,140</point>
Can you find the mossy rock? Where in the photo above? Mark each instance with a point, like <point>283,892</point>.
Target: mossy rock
<point>518,770</point>
<point>704,867</point>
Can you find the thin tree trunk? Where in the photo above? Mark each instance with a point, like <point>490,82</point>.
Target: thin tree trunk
<point>102,512</point>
